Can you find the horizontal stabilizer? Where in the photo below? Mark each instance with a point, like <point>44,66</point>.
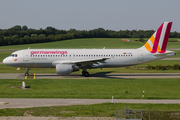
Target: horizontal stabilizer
<point>166,53</point>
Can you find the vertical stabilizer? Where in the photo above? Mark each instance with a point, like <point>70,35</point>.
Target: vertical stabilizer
<point>158,41</point>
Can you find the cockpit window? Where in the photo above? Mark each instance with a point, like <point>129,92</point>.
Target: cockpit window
<point>13,55</point>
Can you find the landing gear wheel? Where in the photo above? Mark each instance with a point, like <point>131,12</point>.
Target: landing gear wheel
<point>86,74</point>
<point>26,74</point>
<point>83,72</point>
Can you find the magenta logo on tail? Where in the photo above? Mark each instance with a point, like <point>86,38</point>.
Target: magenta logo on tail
<point>165,41</point>
<point>158,33</point>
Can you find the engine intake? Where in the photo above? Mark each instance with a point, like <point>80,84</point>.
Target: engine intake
<point>64,69</point>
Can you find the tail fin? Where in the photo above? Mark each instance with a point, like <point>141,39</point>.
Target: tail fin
<point>158,41</point>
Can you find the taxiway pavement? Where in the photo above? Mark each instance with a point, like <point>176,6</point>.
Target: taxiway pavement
<point>28,103</point>
<point>92,76</point>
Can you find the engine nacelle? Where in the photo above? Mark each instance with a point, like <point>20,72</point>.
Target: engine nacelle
<point>63,69</point>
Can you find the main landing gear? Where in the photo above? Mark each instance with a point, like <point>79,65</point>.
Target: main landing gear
<point>27,72</point>
<point>85,73</point>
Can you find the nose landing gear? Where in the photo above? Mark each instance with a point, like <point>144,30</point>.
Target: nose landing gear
<point>27,72</point>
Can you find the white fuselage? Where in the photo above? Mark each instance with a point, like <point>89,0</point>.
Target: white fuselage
<point>44,58</point>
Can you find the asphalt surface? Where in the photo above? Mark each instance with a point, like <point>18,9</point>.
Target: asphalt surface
<point>27,103</point>
<point>92,76</point>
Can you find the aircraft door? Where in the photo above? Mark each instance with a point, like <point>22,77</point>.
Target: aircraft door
<point>26,55</point>
<point>140,56</point>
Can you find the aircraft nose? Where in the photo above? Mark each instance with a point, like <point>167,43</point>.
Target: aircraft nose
<point>5,61</point>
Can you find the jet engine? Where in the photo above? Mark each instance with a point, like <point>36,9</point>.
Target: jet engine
<point>64,69</point>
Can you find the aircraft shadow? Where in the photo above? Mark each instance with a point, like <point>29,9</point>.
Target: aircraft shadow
<point>106,75</point>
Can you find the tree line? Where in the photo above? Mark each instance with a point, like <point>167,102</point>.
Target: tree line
<point>22,35</point>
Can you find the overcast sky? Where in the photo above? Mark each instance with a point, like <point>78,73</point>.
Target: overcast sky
<point>90,14</point>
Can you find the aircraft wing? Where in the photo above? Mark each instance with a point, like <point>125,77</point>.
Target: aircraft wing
<point>83,63</point>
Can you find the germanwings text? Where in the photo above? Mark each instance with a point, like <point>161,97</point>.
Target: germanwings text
<point>48,52</point>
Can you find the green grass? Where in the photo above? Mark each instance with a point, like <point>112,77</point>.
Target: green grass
<point>92,88</point>
<point>161,62</point>
<point>4,55</point>
<point>88,43</point>
<point>79,43</point>
<point>96,88</point>
<point>177,54</point>
<point>157,111</point>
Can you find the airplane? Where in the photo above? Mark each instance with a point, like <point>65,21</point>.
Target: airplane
<point>69,60</point>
